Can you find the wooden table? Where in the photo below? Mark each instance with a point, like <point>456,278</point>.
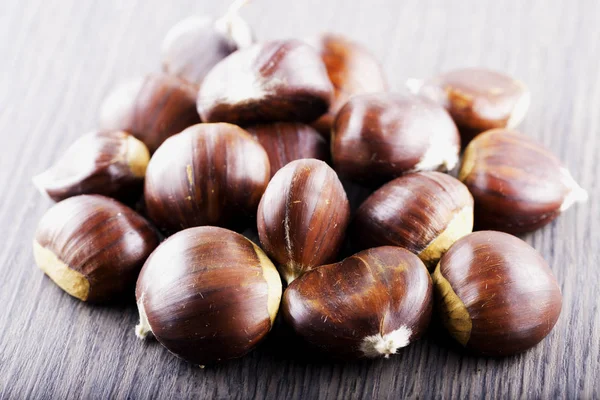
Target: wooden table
<point>59,58</point>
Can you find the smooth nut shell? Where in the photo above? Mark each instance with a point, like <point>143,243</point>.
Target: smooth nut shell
<point>352,69</point>
<point>151,108</point>
<point>424,212</point>
<point>518,184</point>
<point>109,163</point>
<point>496,294</point>
<point>288,141</point>
<point>194,45</point>
<point>369,305</point>
<point>479,99</point>
<point>208,294</point>
<point>209,174</point>
<point>93,247</point>
<point>275,81</point>
<point>378,137</point>
<point>302,217</point>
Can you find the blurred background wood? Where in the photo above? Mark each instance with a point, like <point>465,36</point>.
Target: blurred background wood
<point>59,58</point>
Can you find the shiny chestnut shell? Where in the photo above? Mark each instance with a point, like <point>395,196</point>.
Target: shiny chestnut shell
<point>194,45</point>
<point>352,69</point>
<point>496,294</point>
<point>518,184</point>
<point>152,108</point>
<point>288,141</point>
<point>424,212</point>
<point>207,294</point>
<point>93,247</point>
<point>368,305</point>
<point>479,99</point>
<point>209,174</point>
<point>274,81</point>
<point>111,163</point>
<point>378,137</point>
<point>302,217</point>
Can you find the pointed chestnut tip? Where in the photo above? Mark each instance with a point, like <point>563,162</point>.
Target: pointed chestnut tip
<point>142,329</point>
<point>379,345</point>
<point>577,194</point>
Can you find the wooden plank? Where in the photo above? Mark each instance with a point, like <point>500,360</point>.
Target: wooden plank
<point>60,58</point>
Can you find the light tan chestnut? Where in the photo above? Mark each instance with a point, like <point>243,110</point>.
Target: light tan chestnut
<point>424,212</point>
<point>518,184</point>
<point>93,247</point>
<point>369,305</point>
<point>207,294</point>
<point>478,99</point>
<point>151,108</point>
<point>196,44</point>
<point>302,217</point>
<point>111,163</point>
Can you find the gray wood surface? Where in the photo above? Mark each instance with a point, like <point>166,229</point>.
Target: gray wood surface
<point>58,58</point>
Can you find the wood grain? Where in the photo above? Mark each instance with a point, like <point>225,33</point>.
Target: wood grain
<point>61,57</point>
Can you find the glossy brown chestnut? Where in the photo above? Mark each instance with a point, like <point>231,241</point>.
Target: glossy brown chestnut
<point>93,247</point>
<point>496,294</point>
<point>151,108</point>
<point>275,81</point>
<point>110,163</point>
<point>424,212</point>
<point>369,305</point>
<point>352,69</point>
<point>378,137</point>
<point>479,99</point>
<point>209,174</point>
<point>193,46</point>
<point>302,217</point>
<point>289,141</point>
<point>207,294</point>
<point>518,185</point>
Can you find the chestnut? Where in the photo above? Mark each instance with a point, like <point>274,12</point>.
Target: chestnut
<point>424,212</point>
<point>302,217</point>
<point>194,45</point>
<point>151,108</point>
<point>111,163</point>
<point>496,294</point>
<point>289,141</point>
<point>478,99</point>
<point>209,174</point>
<point>378,137</point>
<point>207,294</point>
<point>352,69</point>
<point>518,185</point>
<point>93,247</point>
<point>369,305</point>
<point>275,81</point>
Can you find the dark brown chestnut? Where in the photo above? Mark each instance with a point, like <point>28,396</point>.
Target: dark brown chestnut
<point>518,184</point>
<point>378,137</point>
<point>193,46</point>
<point>275,81</point>
<point>302,217</point>
<point>209,174</point>
<point>207,294</point>
<point>496,294</point>
<point>478,99</point>
<point>289,141</point>
<point>424,212</point>
<point>369,305</point>
<point>151,108</point>
<point>93,247</point>
<point>352,69</point>
<point>110,163</point>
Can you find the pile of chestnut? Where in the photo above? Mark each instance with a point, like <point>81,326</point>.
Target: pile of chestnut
<point>236,134</point>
